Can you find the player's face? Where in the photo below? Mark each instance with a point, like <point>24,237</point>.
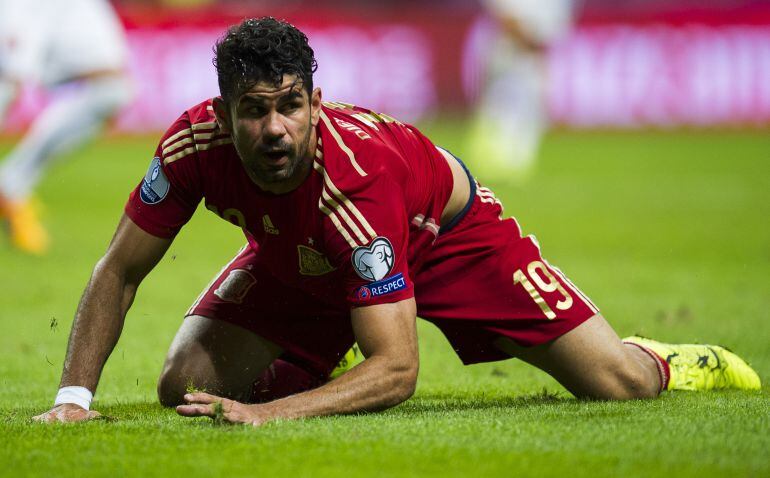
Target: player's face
<point>273,130</point>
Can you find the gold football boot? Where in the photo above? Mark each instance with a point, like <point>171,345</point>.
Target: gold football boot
<point>25,231</point>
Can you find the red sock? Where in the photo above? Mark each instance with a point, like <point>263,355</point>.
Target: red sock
<point>664,371</point>
<point>282,379</point>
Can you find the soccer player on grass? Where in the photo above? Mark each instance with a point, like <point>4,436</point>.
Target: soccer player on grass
<point>356,223</point>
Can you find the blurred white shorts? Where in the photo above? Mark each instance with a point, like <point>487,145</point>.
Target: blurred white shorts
<point>52,41</point>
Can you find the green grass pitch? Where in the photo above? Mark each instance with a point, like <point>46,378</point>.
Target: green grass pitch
<point>668,232</point>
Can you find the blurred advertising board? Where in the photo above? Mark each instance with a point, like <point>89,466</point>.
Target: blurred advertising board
<point>661,75</point>
<point>659,70</point>
<point>401,65</point>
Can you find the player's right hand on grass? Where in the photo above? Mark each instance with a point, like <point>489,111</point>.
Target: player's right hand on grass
<point>66,413</point>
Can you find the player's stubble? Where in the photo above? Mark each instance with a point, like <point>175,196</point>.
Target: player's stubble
<point>298,162</point>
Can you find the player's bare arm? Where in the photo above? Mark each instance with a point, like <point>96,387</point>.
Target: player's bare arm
<point>386,335</point>
<point>132,254</point>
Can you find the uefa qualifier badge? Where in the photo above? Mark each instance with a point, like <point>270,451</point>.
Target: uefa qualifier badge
<point>373,262</point>
<point>155,185</point>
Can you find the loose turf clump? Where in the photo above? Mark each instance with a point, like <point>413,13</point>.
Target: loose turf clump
<point>192,388</point>
<point>219,415</point>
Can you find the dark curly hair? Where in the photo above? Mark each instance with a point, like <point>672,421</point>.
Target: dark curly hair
<point>262,49</point>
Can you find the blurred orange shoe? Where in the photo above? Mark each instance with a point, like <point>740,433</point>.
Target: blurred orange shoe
<point>25,231</point>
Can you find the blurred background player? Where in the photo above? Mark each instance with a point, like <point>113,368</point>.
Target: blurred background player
<point>512,115</point>
<point>75,49</point>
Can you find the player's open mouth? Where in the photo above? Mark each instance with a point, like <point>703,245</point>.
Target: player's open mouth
<point>276,157</point>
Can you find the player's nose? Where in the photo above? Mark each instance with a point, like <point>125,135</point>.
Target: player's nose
<point>274,127</point>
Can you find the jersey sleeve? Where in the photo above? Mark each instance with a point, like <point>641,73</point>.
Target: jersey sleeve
<point>167,196</point>
<point>369,226</point>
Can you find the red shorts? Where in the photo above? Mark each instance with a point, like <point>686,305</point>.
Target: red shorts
<point>481,281</point>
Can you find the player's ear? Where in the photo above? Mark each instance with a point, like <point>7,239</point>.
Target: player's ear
<point>223,115</point>
<point>315,106</point>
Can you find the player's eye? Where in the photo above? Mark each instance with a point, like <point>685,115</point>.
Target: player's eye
<point>290,107</point>
<point>253,110</point>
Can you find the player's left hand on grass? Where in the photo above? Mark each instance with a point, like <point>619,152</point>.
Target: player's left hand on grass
<point>218,408</point>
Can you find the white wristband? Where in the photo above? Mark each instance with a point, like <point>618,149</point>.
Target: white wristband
<point>77,395</point>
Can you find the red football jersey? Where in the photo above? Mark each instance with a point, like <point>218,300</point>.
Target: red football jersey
<point>352,233</point>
